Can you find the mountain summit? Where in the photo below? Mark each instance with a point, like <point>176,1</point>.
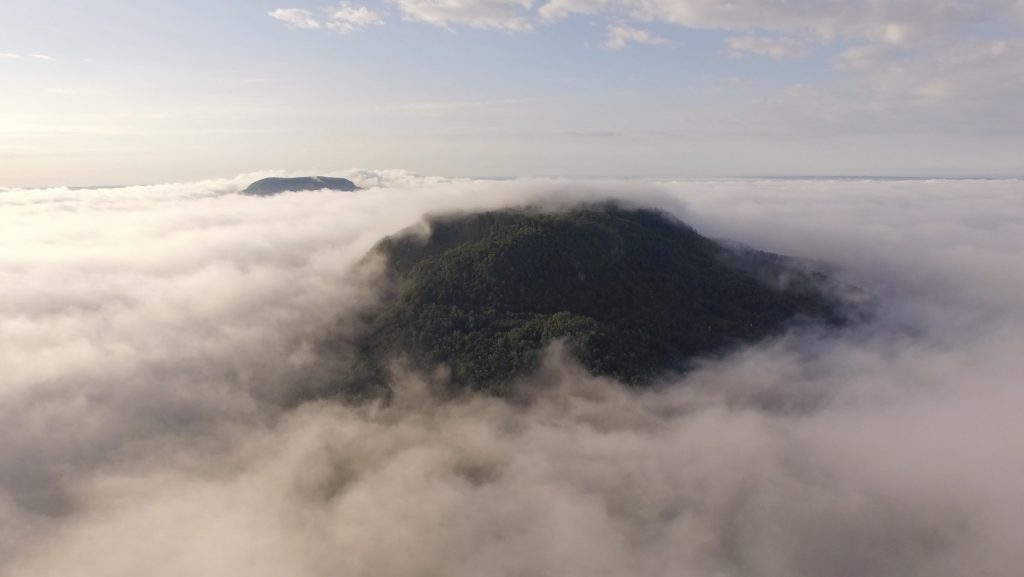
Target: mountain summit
<point>275,185</point>
<point>634,293</point>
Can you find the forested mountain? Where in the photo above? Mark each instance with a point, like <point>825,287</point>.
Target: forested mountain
<point>633,292</point>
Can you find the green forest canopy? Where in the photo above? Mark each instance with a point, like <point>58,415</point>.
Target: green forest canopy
<point>633,292</point>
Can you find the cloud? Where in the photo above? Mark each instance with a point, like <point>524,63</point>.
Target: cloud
<point>776,48</point>
<point>901,66</point>
<point>14,56</point>
<point>960,87</point>
<point>507,15</point>
<point>855,19</point>
<point>296,17</point>
<point>344,18</point>
<point>960,65</point>
<point>154,338</point>
<point>621,35</point>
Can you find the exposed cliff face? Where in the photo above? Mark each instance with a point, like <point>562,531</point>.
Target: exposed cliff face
<point>272,186</point>
<point>635,293</point>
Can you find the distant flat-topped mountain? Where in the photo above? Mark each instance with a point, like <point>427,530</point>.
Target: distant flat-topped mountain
<point>272,186</point>
<point>634,293</point>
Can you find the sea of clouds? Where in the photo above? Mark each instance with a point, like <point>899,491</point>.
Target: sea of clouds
<point>153,341</point>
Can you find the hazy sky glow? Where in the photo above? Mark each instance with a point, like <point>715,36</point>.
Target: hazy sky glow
<point>110,92</point>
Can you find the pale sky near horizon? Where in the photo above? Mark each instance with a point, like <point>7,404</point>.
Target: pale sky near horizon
<point>99,92</point>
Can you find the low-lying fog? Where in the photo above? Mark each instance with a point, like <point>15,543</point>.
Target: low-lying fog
<point>148,335</point>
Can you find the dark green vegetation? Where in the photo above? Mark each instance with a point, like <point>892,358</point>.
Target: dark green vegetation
<point>272,186</point>
<point>634,293</point>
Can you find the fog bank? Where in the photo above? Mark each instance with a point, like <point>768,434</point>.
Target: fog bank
<point>152,334</point>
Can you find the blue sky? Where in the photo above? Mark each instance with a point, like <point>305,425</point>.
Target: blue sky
<point>117,91</point>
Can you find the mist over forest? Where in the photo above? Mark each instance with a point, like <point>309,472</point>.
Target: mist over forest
<point>163,406</point>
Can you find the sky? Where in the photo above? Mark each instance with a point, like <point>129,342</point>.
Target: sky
<point>107,92</point>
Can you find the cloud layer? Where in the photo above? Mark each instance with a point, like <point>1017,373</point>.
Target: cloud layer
<point>153,336</point>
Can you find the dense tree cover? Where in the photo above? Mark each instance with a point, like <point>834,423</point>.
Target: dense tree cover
<point>634,293</point>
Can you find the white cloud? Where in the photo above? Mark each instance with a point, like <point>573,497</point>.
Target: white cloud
<point>507,15</point>
<point>781,30</point>
<point>149,332</point>
<point>621,35</point>
<point>347,18</point>
<point>344,18</point>
<point>960,86</point>
<point>776,48</point>
<point>14,56</point>
<point>885,19</point>
<point>915,86</point>
<point>296,17</point>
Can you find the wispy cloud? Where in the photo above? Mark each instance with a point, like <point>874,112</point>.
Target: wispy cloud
<point>622,35</point>
<point>506,15</point>
<point>347,18</point>
<point>776,48</point>
<point>16,56</point>
<point>885,20</point>
<point>296,17</point>
<point>344,18</point>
